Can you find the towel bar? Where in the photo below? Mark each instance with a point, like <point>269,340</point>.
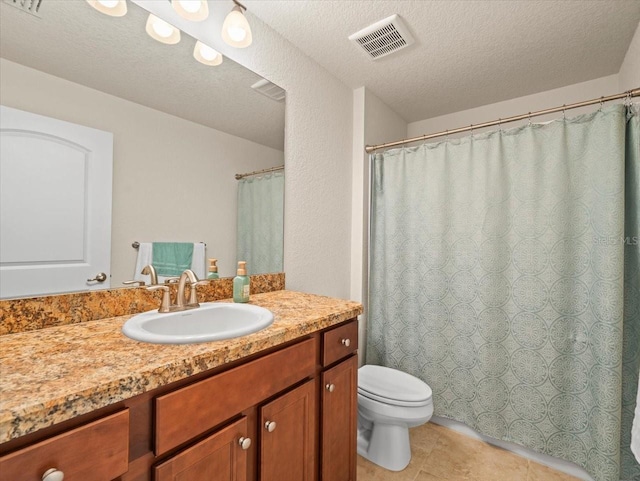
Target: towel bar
<point>136,244</point>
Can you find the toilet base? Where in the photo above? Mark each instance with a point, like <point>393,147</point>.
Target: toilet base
<point>386,445</point>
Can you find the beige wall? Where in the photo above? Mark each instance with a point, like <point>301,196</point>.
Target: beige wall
<point>318,148</point>
<point>550,98</point>
<point>630,69</point>
<point>173,180</point>
<point>373,123</point>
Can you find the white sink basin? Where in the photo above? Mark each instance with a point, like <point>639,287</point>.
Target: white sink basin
<point>212,321</point>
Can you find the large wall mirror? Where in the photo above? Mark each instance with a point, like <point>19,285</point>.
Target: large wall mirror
<point>181,131</point>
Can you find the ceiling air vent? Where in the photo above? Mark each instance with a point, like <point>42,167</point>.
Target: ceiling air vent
<point>383,37</point>
<point>269,89</point>
<point>29,6</point>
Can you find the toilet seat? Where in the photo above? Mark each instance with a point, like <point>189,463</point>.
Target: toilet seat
<point>393,402</point>
<point>393,387</point>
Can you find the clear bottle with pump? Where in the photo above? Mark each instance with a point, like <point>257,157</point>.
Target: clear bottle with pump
<point>213,269</point>
<point>241,284</point>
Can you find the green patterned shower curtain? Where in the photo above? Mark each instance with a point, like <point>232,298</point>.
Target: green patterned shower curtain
<point>260,232</point>
<point>504,273</point>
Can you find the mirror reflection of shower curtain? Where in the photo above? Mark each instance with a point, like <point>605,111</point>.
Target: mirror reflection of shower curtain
<point>260,229</point>
<point>505,272</point>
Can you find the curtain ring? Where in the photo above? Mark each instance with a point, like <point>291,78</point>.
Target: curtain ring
<point>529,119</point>
<point>500,125</point>
<point>446,135</point>
<point>601,103</point>
<point>627,99</point>
<point>564,112</point>
<point>471,127</point>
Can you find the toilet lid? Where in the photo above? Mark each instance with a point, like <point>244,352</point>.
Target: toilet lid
<point>396,387</point>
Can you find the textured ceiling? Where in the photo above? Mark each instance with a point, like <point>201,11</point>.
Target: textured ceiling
<point>115,55</point>
<point>467,53</point>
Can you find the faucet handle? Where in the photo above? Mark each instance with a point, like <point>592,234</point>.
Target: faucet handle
<point>171,280</point>
<point>165,306</point>
<point>132,282</point>
<point>193,294</point>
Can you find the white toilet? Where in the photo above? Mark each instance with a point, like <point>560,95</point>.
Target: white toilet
<point>389,403</point>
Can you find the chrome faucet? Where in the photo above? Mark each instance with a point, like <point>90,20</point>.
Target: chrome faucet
<point>181,299</point>
<point>150,271</point>
<point>182,303</point>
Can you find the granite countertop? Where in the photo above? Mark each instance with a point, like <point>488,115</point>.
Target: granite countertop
<point>50,375</point>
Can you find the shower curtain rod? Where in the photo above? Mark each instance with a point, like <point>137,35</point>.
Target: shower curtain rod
<point>628,94</point>
<point>256,172</point>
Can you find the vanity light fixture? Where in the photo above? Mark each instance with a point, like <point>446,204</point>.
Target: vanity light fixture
<point>161,31</point>
<point>206,55</point>
<point>195,10</point>
<point>114,8</point>
<point>235,29</point>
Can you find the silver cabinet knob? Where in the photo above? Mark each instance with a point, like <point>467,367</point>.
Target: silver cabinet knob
<point>330,387</point>
<point>245,443</point>
<point>52,474</point>
<point>270,426</point>
<point>346,342</point>
<point>100,277</point>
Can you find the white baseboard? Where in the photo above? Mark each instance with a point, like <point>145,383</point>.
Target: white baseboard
<point>554,463</point>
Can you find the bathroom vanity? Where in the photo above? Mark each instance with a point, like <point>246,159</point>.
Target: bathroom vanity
<point>280,404</point>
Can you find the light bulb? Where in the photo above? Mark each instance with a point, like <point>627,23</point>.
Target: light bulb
<point>114,8</point>
<point>236,30</point>
<point>237,34</point>
<point>162,31</point>
<point>191,6</point>
<point>206,55</point>
<point>162,28</point>
<point>207,52</point>
<point>195,10</point>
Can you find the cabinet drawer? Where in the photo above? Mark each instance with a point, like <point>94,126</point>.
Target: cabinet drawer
<point>98,451</point>
<point>339,342</point>
<point>192,410</point>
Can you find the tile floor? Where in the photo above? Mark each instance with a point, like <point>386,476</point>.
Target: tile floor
<point>440,454</point>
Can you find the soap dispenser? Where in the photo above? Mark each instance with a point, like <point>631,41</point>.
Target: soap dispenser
<point>213,269</point>
<point>241,284</point>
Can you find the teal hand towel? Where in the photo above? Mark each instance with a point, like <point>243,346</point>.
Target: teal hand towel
<point>172,258</point>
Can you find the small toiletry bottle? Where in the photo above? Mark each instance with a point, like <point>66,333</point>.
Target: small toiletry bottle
<point>241,284</point>
<point>213,269</point>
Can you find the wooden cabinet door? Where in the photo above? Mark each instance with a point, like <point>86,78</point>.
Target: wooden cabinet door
<point>219,457</point>
<point>339,421</point>
<point>288,427</point>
